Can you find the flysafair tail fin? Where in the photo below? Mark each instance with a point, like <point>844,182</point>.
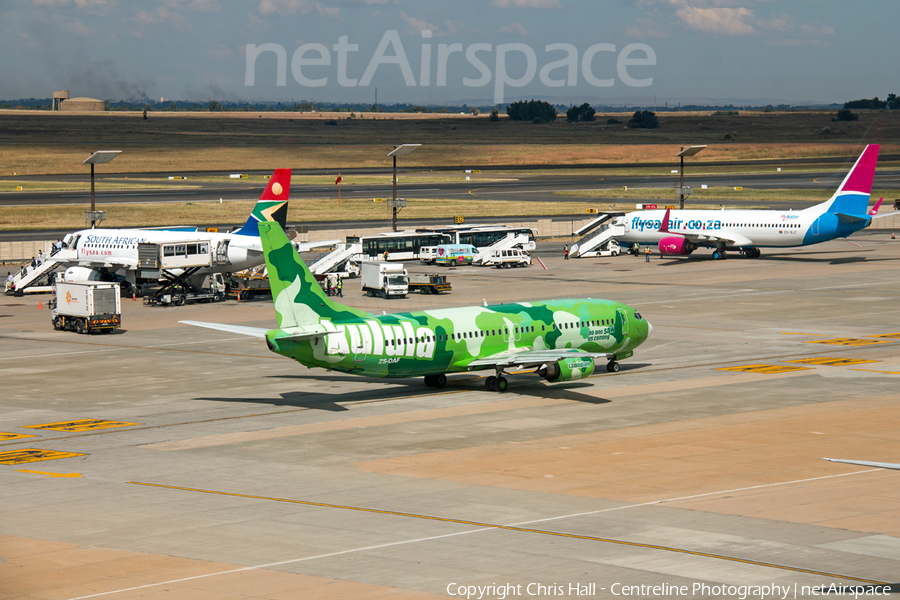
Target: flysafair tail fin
<point>272,205</point>
<point>299,300</point>
<point>852,197</point>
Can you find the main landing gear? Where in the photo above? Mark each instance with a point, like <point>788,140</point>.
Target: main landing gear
<point>436,381</point>
<point>751,252</point>
<point>498,383</point>
<point>612,366</point>
<point>718,254</point>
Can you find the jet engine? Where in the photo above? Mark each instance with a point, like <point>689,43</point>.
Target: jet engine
<point>675,245</point>
<point>78,274</point>
<point>567,369</point>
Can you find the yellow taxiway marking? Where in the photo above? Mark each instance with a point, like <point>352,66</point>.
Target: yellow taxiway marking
<point>876,371</point>
<point>27,455</point>
<point>81,425</point>
<point>848,342</point>
<point>47,473</point>
<point>799,333</point>
<point>886,335</point>
<point>507,528</point>
<point>832,362</point>
<point>764,369</point>
<point>14,436</point>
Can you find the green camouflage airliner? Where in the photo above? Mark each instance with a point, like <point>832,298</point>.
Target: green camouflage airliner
<point>560,340</point>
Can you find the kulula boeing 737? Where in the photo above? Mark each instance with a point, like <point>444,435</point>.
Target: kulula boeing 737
<point>560,340</point>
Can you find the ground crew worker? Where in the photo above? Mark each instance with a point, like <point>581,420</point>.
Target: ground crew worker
<point>566,251</point>
<point>386,255</point>
<point>340,287</point>
<point>648,254</point>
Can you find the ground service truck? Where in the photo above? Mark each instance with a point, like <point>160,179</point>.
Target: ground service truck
<point>86,306</point>
<point>384,279</point>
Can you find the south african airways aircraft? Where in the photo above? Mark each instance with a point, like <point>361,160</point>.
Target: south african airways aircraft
<point>560,340</point>
<point>97,253</point>
<point>680,232</point>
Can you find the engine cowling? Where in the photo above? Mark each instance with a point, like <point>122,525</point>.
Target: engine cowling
<point>567,369</point>
<point>79,274</point>
<point>675,245</point>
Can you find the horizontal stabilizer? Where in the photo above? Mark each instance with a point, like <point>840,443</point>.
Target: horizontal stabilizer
<point>845,218</point>
<point>883,215</point>
<point>866,463</point>
<point>239,329</point>
<point>298,334</point>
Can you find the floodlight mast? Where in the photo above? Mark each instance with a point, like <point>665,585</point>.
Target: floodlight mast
<point>686,151</point>
<point>401,150</point>
<point>100,157</point>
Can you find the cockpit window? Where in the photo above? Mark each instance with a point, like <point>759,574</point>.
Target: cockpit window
<point>637,315</point>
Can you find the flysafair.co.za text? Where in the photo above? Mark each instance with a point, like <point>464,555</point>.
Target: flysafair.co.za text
<point>561,65</point>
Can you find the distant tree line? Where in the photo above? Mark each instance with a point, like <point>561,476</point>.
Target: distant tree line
<point>536,111</point>
<point>892,103</point>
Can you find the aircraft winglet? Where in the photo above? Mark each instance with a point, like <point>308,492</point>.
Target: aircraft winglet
<point>875,208</point>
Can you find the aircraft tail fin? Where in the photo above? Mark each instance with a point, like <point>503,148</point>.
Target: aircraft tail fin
<point>299,299</point>
<point>664,226</point>
<point>272,204</point>
<point>852,197</point>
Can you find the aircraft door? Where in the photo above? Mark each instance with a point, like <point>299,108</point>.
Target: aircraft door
<point>513,332</point>
<point>221,257</point>
<point>360,342</point>
<point>623,318</point>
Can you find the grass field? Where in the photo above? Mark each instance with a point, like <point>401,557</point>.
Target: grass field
<point>725,194</point>
<point>20,218</point>
<point>33,142</point>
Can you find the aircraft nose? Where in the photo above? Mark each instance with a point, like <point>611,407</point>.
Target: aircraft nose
<point>649,328</point>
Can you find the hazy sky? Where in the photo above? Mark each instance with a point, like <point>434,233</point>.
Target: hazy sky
<point>452,51</point>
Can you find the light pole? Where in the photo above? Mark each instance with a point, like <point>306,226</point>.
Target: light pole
<point>686,151</point>
<point>101,157</point>
<point>401,150</point>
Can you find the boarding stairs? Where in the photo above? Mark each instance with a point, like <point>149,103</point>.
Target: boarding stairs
<point>512,240</point>
<point>40,278</point>
<point>599,232</point>
<point>334,260</point>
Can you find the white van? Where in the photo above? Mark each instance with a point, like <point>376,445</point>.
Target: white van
<point>428,254</point>
<point>511,257</point>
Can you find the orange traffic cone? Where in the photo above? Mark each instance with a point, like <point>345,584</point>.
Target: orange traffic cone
<point>892,236</point>
<point>40,305</point>
<point>133,297</point>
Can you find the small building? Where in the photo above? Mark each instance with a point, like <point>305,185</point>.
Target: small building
<point>58,97</point>
<point>82,105</point>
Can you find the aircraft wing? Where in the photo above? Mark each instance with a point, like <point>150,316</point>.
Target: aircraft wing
<point>307,246</point>
<point>259,332</point>
<point>865,463</point>
<point>704,239</point>
<point>107,264</point>
<point>883,215</point>
<point>294,334</point>
<point>526,359</point>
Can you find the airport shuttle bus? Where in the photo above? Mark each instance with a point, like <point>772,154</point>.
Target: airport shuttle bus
<point>484,236</point>
<point>401,245</point>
